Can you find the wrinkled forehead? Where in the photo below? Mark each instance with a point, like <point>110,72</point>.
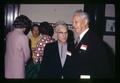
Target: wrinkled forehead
<point>76,17</point>
<point>61,28</point>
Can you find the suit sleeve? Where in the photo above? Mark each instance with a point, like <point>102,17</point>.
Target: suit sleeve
<point>109,57</point>
<point>45,63</point>
<point>104,66</point>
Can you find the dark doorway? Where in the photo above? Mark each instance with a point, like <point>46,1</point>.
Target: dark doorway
<point>96,14</point>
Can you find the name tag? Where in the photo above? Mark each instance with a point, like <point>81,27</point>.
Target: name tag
<point>84,76</point>
<point>68,53</point>
<point>83,47</point>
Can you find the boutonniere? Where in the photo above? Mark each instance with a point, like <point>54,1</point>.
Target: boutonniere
<point>69,53</point>
<point>83,47</point>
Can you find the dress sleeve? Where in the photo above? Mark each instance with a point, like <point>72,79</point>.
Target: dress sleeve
<point>26,49</point>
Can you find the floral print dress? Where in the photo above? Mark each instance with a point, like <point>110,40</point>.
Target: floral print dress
<point>39,51</point>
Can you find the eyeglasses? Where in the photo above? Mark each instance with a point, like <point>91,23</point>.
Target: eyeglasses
<point>63,32</point>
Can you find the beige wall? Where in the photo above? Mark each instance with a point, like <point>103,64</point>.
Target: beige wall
<point>50,12</point>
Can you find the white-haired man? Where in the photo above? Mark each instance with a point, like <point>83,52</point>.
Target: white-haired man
<point>90,56</point>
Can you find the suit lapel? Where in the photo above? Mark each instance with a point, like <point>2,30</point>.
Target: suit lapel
<point>58,56</point>
<point>67,56</point>
<point>84,40</point>
<point>66,61</point>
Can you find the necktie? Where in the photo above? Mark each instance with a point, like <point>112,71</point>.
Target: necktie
<point>61,50</point>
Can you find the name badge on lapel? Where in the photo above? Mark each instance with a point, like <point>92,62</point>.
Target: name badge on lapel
<point>83,47</point>
<point>69,53</point>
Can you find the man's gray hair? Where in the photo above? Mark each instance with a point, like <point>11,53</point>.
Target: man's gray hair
<point>83,14</point>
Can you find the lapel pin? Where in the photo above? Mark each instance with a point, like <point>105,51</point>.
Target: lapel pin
<point>83,47</point>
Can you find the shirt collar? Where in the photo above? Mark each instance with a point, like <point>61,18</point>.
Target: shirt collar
<point>35,38</point>
<point>61,44</point>
<point>83,33</point>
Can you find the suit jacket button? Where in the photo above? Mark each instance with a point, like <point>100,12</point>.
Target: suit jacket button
<point>79,51</point>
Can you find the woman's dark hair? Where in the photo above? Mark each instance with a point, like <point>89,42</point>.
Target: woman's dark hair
<point>46,28</point>
<point>36,25</point>
<point>22,21</point>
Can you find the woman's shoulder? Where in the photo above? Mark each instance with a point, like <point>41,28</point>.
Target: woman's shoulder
<point>46,38</point>
<point>51,44</point>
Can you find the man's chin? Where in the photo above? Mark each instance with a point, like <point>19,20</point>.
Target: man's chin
<point>63,42</point>
<point>77,32</point>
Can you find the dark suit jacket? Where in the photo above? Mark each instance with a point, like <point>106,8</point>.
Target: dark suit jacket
<point>95,61</point>
<point>51,65</point>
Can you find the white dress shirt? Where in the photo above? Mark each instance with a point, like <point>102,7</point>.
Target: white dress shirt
<point>82,34</point>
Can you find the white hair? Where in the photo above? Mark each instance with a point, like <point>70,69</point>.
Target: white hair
<point>59,24</point>
<point>82,14</point>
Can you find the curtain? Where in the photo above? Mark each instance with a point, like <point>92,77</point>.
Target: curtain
<point>11,12</point>
<point>96,14</point>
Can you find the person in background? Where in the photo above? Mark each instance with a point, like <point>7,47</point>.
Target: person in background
<point>56,55</point>
<point>47,33</point>
<point>90,56</point>
<point>35,37</point>
<point>17,49</point>
<point>32,69</point>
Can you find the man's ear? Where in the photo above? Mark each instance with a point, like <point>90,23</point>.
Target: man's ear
<point>24,29</point>
<point>86,22</point>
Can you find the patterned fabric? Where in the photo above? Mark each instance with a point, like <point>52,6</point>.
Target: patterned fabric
<point>34,41</point>
<point>40,47</point>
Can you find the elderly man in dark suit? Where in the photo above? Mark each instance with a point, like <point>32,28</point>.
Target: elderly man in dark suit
<point>56,55</point>
<point>90,56</point>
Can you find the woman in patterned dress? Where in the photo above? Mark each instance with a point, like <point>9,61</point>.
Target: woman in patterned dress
<point>47,33</point>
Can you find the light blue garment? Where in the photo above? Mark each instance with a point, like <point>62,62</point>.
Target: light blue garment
<point>62,52</point>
